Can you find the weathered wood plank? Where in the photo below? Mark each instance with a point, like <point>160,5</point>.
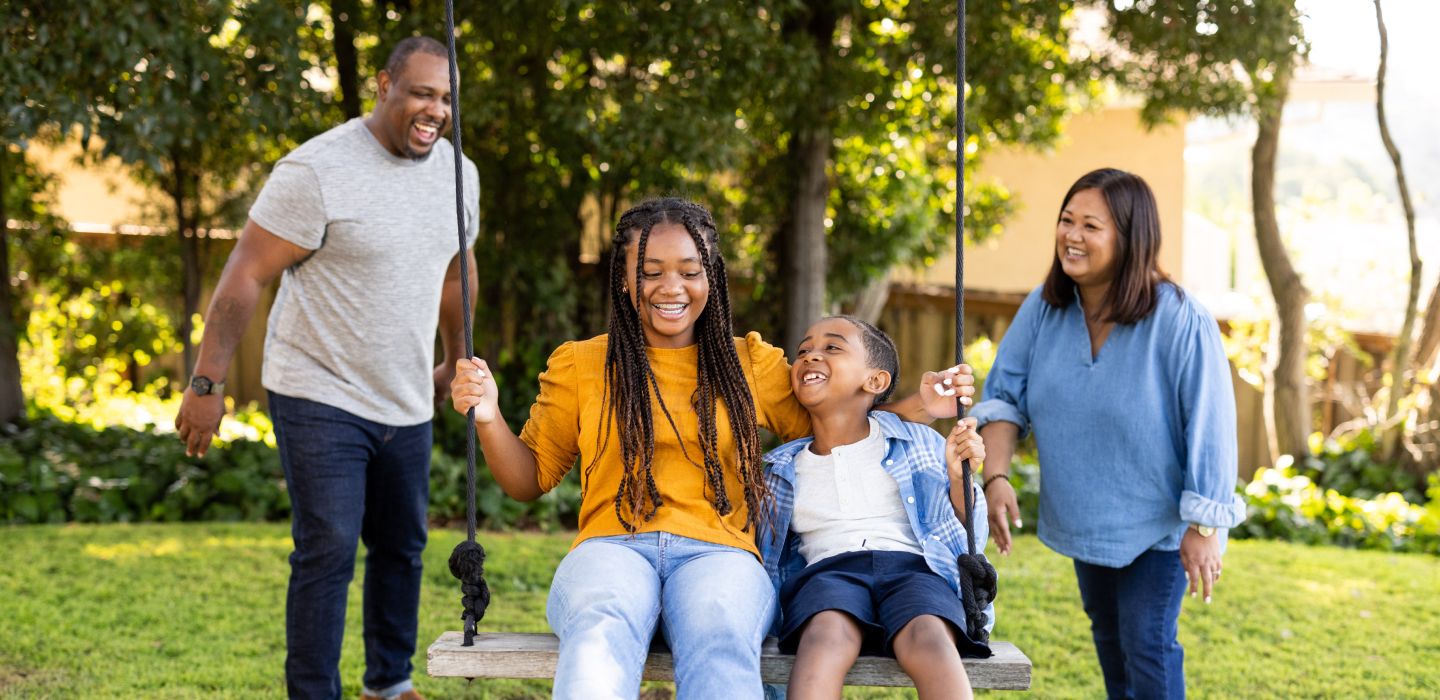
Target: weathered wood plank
<point>513,655</point>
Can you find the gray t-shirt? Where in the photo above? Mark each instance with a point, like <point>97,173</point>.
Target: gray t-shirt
<point>353,325</point>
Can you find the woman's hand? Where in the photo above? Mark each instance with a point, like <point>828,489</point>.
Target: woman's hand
<point>1004,508</point>
<point>938,390</point>
<point>1200,556</point>
<point>474,386</point>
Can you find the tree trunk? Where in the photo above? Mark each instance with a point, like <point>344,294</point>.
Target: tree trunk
<point>1401,371</point>
<point>870,301</point>
<point>803,252</point>
<point>1287,401</point>
<point>805,257</point>
<point>189,260</point>
<point>344,14</point>
<point>12,399</point>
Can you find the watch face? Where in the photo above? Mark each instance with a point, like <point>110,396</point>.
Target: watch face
<point>201,385</point>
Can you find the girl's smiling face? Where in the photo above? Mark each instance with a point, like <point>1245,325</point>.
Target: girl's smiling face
<point>673,287</point>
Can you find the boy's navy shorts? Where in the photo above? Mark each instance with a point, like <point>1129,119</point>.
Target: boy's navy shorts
<point>883,591</point>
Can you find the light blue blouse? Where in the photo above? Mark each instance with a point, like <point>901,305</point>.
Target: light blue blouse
<point>1135,443</point>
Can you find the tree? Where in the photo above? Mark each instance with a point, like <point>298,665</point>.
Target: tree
<point>1224,58</point>
<point>1399,362</point>
<point>861,174</point>
<point>215,90</point>
<point>56,64</point>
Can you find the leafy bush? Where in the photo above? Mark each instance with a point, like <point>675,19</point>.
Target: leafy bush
<point>1287,505</point>
<point>1348,466</point>
<point>493,509</point>
<point>52,470</point>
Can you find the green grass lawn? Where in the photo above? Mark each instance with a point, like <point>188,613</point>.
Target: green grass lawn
<point>196,611</point>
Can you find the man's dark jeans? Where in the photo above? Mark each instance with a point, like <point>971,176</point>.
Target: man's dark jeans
<point>1134,616</point>
<point>351,480</point>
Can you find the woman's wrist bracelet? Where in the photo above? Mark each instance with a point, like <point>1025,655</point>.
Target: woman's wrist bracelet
<point>992,477</point>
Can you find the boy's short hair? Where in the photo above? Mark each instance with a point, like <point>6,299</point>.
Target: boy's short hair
<point>880,353</point>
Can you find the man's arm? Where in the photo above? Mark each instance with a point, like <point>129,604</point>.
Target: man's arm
<point>259,256</point>
<point>452,323</point>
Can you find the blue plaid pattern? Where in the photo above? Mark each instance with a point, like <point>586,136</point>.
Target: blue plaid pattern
<point>915,458</point>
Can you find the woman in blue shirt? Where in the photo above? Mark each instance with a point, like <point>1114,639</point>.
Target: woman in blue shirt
<point>1124,381</point>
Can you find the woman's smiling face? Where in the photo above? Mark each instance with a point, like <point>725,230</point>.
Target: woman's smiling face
<point>1086,241</point>
<point>673,288</point>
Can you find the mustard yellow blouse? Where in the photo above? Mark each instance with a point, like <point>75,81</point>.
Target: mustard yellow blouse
<point>567,417</point>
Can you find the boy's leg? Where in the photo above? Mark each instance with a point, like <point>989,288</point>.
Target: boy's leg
<point>925,648</point>
<point>323,451</point>
<point>396,497</point>
<point>603,605</point>
<point>718,603</point>
<point>829,645</point>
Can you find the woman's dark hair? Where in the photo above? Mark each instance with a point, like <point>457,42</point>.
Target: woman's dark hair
<point>630,383</point>
<point>1134,292</point>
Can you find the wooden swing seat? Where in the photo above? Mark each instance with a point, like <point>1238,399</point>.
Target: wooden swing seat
<point>515,655</point>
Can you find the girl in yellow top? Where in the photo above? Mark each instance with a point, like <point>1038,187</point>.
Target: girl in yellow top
<point>663,415</point>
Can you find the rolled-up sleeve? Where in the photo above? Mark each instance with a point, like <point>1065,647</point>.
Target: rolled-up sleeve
<point>1207,401</point>
<point>1004,398</point>
<point>553,431</point>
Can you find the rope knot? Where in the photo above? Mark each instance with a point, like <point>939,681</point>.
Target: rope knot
<point>467,563</point>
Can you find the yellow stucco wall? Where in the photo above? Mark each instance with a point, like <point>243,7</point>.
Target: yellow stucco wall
<point>1017,259</point>
<point>97,194</point>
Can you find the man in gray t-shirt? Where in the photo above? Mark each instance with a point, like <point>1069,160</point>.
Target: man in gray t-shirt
<point>359,222</point>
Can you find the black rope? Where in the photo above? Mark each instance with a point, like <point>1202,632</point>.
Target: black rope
<point>977,576</point>
<point>467,562</point>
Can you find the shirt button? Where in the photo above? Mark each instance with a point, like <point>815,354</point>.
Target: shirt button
<point>889,462</point>
<point>910,499</point>
<point>935,537</point>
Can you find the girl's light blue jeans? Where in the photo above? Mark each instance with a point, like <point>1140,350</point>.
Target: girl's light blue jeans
<point>712,603</point>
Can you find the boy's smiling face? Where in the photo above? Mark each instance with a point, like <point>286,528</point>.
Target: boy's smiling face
<point>831,368</point>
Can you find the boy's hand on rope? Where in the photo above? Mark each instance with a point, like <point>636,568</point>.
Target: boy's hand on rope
<point>474,386</point>
<point>963,443</point>
<point>938,390</point>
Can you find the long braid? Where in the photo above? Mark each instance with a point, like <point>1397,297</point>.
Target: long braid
<point>630,382</point>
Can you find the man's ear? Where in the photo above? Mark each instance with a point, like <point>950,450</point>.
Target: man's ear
<point>382,81</point>
<point>877,382</point>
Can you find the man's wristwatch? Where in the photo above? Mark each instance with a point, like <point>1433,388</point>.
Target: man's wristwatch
<point>1204,530</point>
<point>204,386</point>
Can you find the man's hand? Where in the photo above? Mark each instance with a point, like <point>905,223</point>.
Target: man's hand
<point>198,421</point>
<point>938,390</point>
<point>444,373</point>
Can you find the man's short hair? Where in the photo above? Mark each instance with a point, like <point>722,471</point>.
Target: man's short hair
<point>880,353</point>
<point>400,55</point>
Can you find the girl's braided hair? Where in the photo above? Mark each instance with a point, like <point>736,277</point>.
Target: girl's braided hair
<point>630,382</point>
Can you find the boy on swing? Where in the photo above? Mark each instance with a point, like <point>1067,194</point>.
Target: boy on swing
<point>865,559</point>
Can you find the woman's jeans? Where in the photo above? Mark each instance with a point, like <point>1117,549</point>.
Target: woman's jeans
<point>351,480</point>
<point>713,604</point>
<point>1134,615</point>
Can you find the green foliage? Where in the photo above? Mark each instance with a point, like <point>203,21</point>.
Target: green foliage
<point>1215,57</point>
<point>53,470</point>
<point>1289,506</point>
<point>1348,465</point>
<point>560,508</point>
